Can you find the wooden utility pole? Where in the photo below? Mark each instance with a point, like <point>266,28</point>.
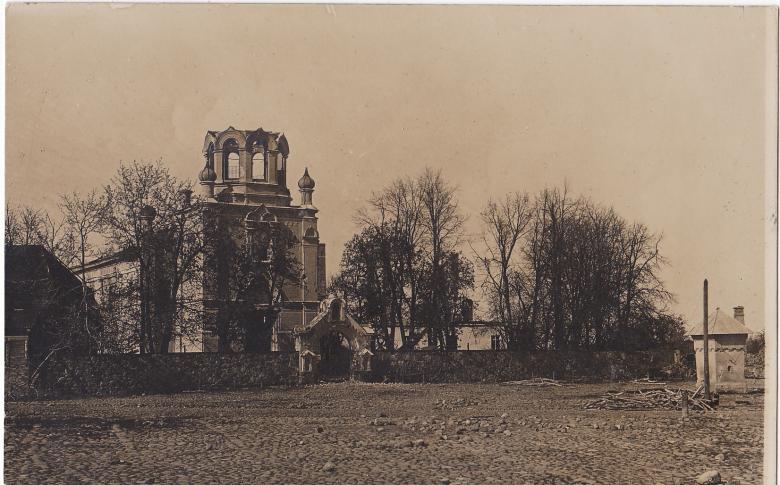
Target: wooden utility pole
<point>706,347</point>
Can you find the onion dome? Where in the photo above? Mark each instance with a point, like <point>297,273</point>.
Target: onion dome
<point>306,182</point>
<point>207,174</point>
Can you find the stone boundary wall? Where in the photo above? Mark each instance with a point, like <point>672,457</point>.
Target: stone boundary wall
<point>499,366</point>
<point>127,374</point>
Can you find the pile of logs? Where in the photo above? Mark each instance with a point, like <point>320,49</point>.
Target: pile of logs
<point>652,399</point>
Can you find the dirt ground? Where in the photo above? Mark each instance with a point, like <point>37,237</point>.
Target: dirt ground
<point>379,433</point>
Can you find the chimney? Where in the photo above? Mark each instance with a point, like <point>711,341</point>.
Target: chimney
<point>739,314</point>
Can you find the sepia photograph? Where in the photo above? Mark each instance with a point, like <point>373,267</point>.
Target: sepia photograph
<point>409,244</point>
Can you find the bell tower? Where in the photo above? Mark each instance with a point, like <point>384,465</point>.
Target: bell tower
<point>245,167</point>
<point>244,184</point>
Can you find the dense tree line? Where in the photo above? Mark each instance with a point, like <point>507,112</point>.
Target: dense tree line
<point>556,272</point>
<point>404,273</point>
<point>565,273</point>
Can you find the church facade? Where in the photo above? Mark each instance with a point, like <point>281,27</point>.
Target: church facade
<point>245,201</point>
<point>244,185</point>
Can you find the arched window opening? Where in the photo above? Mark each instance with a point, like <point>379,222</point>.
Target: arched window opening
<point>234,167</point>
<point>230,160</point>
<point>259,167</point>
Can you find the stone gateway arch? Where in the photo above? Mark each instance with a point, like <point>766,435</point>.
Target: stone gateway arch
<point>333,345</point>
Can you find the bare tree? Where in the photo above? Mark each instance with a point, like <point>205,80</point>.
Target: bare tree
<point>27,226</point>
<point>150,213</point>
<point>58,237</point>
<point>380,279</point>
<point>403,272</point>
<point>83,217</point>
<point>443,224</point>
<point>13,226</point>
<point>23,225</point>
<point>392,246</point>
<point>583,277</point>
<point>31,225</point>
<point>505,223</point>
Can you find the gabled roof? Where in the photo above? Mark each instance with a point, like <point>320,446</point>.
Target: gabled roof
<point>323,317</point>
<point>33,263</point>
<point>720,323</point>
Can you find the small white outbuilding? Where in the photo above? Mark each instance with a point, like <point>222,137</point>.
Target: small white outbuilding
<point>727,340</point>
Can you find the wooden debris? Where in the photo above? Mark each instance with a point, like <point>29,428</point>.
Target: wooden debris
<point>665,398</point>
<point>647,380</point>
<point>535,382</point>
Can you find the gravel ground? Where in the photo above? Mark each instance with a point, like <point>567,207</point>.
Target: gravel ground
<point>379,433</point>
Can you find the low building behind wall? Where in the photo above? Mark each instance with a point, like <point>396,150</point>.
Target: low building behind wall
<point>471,336</point>
<point>479,337</point>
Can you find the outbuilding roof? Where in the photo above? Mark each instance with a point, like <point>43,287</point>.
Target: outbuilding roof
<point>720,323</point>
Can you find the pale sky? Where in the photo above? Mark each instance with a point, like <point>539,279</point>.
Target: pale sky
<point>664,113</point>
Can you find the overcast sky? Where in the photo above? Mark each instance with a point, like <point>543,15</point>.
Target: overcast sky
<point>663,113</point>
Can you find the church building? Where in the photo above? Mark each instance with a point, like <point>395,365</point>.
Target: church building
<point>244,182</point>
<point>245,202</point>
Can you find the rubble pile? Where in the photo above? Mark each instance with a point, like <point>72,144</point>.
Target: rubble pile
<point>665,398</point>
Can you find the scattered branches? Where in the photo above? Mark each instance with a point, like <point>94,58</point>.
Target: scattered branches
<point>651,399</point>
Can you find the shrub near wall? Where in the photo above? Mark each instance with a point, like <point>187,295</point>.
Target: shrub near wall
<point>493,366</point>
<point>754,365</point>
<point>149,373</point>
